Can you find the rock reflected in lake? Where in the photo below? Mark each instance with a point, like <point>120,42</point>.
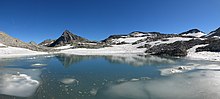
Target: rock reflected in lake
<point>130,59</point>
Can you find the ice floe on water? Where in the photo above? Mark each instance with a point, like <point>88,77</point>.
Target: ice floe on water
<point>20,85</point>
<point>122,80</point>
<point>19,82</point>
<point>194,85</point>
<point>93,91</point>
<point>70,81</point>
<point>179,69</point>
<point>205,65</point>
<point>38,65</point>
<point>205,55</point>
<point>31,58</point>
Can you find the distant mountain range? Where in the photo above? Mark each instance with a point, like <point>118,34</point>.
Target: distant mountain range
<point>69,38</point>
<point>138,38</point>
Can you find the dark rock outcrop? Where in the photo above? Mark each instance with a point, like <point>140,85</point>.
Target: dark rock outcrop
<point>109,39</point>
<point>46,43</point>
<point>214,33</point>
<point>191,31</point>
<point>213,46</point>
<point>178,48</point>
<point>68,38</point>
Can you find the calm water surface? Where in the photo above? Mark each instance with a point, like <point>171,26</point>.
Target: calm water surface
<point>107,77</point>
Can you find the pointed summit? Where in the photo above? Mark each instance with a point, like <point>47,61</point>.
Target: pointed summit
<point>68,38</point>
<point>66,32</point>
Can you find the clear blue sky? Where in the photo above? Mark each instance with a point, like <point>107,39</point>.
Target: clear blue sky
<point>38,20</point>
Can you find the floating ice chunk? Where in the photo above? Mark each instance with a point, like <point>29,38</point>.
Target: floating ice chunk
<point>145,78</point>
<point>38,65</point>
<point>20,85</point>
<point>31,58</point>
<point>174,70</point>
<point>134,79</point>
<point>93,91</point>
<point>70,81</point>
<point>49,56</point>
<point>121,80</point>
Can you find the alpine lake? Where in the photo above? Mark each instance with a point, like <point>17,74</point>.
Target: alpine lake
<point>108,77</point>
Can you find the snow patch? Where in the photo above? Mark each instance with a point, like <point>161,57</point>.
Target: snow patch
<point>17,52</point>
<point>127,40</point>
<point>115,49</point>
<point>174,70</point>
<point>198,34</point>
<point>2,45</point>
<point>168,41</point>
<point>64,47</point>
<point>211,56</point>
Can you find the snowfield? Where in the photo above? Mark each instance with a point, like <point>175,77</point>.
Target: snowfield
<point>211,56</point>
<point>64,47</point>
<point>168,41</point>
<point>115,49</point>
<point>2,45</point>
<point>198,34</point>
<point>128,40</point>
<point>6,52</point>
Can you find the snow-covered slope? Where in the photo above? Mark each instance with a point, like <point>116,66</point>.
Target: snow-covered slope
<point>130,38</point>
<point>16,52</point>
<point>64,47</point>
<point>168,41</point>
<point>198,34</point>
<point>2,45</point>
<point>115,49</point>
<point>127,40</point>
<point>193,33</point>
<point>212,56</point>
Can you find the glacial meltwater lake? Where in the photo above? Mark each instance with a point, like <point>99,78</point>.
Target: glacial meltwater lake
<point>108,77</point>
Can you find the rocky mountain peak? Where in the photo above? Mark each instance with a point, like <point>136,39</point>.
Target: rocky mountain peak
<point>68,38</point>
<point>66,33</point>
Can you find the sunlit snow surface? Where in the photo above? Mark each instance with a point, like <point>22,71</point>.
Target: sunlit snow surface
<point>125,76</point>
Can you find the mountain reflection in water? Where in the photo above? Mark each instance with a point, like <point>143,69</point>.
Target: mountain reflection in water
<point>130,59</point>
